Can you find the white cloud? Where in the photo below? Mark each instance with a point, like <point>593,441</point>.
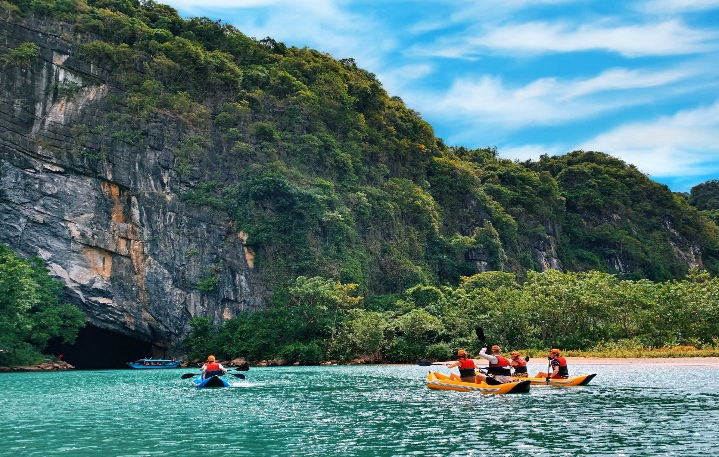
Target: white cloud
<point>317,5</point>
<point>676,6</point>
<point>396,79</point>
<point>325,25</point>
<point>661,39</point>
<point>546,101</point>
<point>623,79</point>
<point>684,144</point>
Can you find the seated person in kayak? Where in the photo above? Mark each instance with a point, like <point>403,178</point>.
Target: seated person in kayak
<point>558,365</point>
<point>212,368</point>
<point>519,364</point>
<point>466,368</point>
<point>499,367</point>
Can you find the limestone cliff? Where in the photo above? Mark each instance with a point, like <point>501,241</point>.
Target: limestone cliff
<point>104,212</point>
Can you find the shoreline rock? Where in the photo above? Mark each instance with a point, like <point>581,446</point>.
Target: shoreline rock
<point>57,365</point>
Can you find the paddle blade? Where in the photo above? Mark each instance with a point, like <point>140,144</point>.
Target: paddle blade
<point>480,334</point>
<point>238,375</point>
<point>526,359</point>
<point>188,375</point>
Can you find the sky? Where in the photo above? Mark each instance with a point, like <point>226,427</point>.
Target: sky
<point>636,79</point>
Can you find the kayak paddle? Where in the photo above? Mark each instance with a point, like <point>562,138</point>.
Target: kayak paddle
<point>549,366</point>
<point>480,335</point>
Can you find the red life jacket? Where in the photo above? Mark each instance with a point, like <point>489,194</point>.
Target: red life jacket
<point>499,368</point>
<point>563,369</point>
<point>212,366</point>
<point>466,367</point>
<point>521,366</point>
<point>501,362</point>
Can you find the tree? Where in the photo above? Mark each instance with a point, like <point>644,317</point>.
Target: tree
<point>203,339</point>
<point>23,55</point>
<point>30,312</point>
<point>320,304</point>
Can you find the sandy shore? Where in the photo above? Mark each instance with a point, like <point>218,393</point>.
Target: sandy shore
<point>669,361</point>
<point>674,361</point>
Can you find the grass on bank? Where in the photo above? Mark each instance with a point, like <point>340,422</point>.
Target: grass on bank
<point>638,353</point>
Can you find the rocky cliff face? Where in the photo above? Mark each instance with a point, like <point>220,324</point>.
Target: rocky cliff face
<point>102,211</point>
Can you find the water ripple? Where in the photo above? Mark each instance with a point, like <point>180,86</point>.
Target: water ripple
<point>355,411</point>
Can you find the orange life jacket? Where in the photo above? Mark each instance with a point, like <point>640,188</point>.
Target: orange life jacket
<point>212,366</point>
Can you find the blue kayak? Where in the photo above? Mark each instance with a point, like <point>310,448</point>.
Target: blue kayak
<point>212,381</point>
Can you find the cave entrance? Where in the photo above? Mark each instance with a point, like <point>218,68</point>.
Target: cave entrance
<point>97,348</point>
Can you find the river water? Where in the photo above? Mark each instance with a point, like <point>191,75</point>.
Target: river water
<point>627,410</point>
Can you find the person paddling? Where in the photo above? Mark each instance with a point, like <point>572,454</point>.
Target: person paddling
<point>558,366</point>
<point>212,368</point>
<point>466,367</point>
<point>499,367</point>
<point>519,364</point>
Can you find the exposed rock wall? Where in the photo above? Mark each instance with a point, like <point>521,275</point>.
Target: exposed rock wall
<point>105,215</point>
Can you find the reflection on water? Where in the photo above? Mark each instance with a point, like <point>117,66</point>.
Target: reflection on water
<point>628,410</point>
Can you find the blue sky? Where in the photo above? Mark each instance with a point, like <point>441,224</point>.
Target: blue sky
<point>637,79</point>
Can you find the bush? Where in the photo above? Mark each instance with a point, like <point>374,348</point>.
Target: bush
<point>404,350</point>
<point>302,353</point>
<point>439,351</point>
<point>23,55</point>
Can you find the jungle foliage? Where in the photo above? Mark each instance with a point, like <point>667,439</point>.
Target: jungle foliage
<point>592,311</point>
<point>705,198</point>
<point>333,179</point>
<point>30,312</point>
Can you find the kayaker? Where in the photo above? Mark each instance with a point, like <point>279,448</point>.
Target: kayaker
<point>466,367</point>
<point>559,365</point>
<point>519,365</point>
<point>212,368</point>
<point>499,367</point>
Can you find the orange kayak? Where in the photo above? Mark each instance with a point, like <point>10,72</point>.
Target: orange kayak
<point>439,381</point>
<point>581,380</point>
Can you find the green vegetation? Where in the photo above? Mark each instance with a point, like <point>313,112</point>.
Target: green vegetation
<point>334,180</point>
<point>30,313</point>
<point>23,55</point>
<point>705,198</point>
<point>330,176</point>
<point>590,313</point>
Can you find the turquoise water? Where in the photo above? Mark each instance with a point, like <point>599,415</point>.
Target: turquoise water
<point>628,410</point>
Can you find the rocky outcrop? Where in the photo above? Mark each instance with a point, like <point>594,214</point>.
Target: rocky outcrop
<point>544,248</point>
<point>103,211</point>
<point>48,365</point>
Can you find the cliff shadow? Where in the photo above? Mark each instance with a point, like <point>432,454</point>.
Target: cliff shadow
<point>97,348</point>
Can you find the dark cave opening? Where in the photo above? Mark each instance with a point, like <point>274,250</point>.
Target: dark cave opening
<point>97,348</point>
